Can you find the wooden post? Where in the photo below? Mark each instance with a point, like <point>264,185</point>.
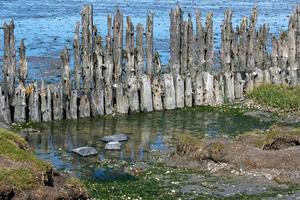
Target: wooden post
<point>118,45</point>
<point>19,103</point>
<point>121,99</point>
<point>209,43</point>
<point>219,92</point>
<point>199,90</point>
<point>46,104</point>
<point>175,40</point>
<point>57,99</point>
<point>188,90</point>
<point>23,69</point>
<point>77,60</point>
<point>267,76</point>
<point>208,88</point>
<point>261,46</point>
<point>252,41</point>
<point>149,38</point>
<point>190,49</point>
<point>139,66</point>
<point>66,82</point>
<point>74,105</point>
<point>226,42</point>
<point>169,101</point>
<point>97,94</point>
<point>19,98</point>
<point>156,84</point>
<point>130,77</point>
<point>84,107</point>
<point>200,44</point>
<point>87,47</point>
<point>108,76</point>
<point>184,49</point>
<point>190,74</point>
<point>34,104</point>
<point>179,91</point>
<point>5,115</point>
<point>239,86</point>
<point>9,60</point>
<point>146,94</point>
<point>258,77</point>
<point>243,44</point>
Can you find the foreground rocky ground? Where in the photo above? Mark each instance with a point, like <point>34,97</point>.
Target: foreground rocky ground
<point>274,154</point>
<point>23,176</point>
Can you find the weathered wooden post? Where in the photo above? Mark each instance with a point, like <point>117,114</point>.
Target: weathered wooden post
<point>87,47</point>
<point>139,65</point>
<point>243,44</point>
<point>208,88</point>
<point>5,115</point>
<point>97,94</point>
<point>23,69</point>
<point>199,90</point>
<point>118,45</point>
<point>57,99</point>
<point>199,44</point>
<point>261,46</point>
<point>74,105</point>
<point>239,86</point>
<point>252,41</point>
<point>9,60</point>
<point>229,87</point>
<point>19,98</point>
<point>108,76</point>
<point>209,43</point>
<point>175,40</point>
<point>156,84</point>
<point>66,82</point>
<point>46,104</point>
<point>292,40</point>
<point>77,60</point>
<point>219,92</point>
<point>191,72</point>
<point>149,39</point>
<point>34,104</point>
<point>226,42</point>
<point>169,100</point>
<point>131,81</point>
<point>146,94</point>
<point>122,106</point>
<point>84,107</point>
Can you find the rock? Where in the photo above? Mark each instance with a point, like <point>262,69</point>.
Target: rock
<point>85,151</point>
<point>113,146</point>
<point>115,138</point>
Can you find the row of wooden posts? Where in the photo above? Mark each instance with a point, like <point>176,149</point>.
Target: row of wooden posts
<point>109,78</point>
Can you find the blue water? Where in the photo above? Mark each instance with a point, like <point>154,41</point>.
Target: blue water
<point>48,25</point>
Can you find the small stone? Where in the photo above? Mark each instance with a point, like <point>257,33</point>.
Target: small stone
<point>113,146</point>
<point>85,151</point>
<point>115,138</point>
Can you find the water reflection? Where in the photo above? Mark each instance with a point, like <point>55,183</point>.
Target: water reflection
<point>146,132</point>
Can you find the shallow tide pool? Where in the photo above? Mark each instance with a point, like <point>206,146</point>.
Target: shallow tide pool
<point>147,133</point>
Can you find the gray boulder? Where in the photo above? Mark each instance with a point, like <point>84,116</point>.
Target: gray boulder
<point>115,138</point>
<point>85,151</point>
<point>113,146</point>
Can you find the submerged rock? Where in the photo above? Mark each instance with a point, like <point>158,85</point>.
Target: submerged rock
<point>115,138</point>
<point>85,151</point>
<point>113,146</point>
